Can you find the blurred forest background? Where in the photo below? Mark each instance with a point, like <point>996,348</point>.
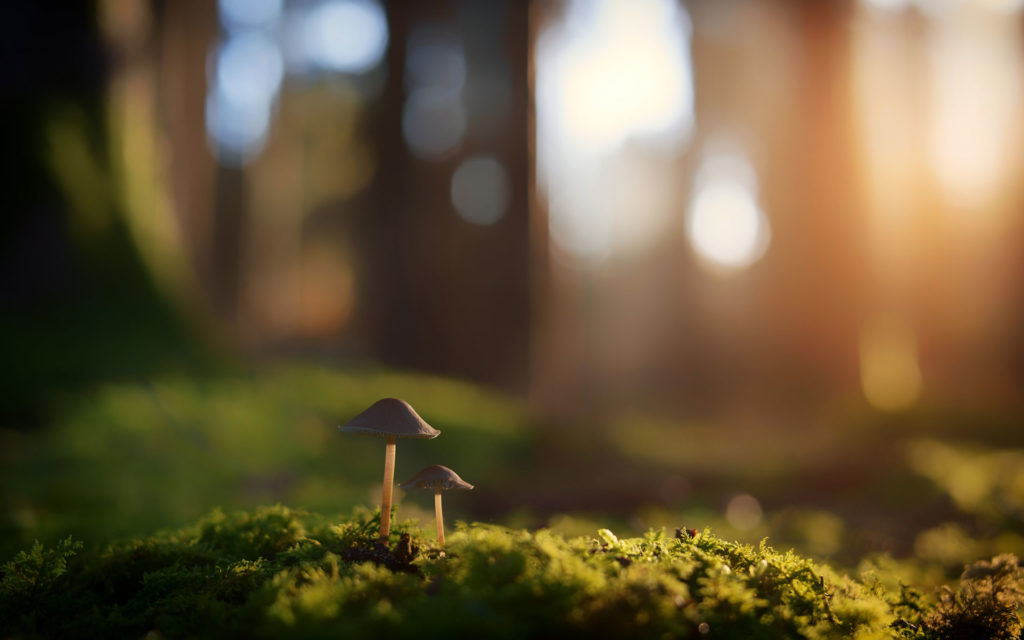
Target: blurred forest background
<point>753,265</point>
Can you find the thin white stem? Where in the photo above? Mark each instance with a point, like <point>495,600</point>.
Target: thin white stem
<point>438,515</point>
<point>389,481</point>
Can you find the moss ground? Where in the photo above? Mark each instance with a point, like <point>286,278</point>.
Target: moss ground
<point>275,572</point>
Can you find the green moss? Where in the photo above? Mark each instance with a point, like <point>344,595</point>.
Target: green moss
<point>986,605</point>
<point>103,468</point>
<point>277,572</point>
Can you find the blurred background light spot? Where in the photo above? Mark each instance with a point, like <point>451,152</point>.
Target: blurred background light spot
<point>976,104</point>
<point>249,69</point>
<point>480,190</point>
<point>968,476</point>
<point>623,69</point>
<point>249,14</point>
<point>608,74</point>
<point>724,224</point>
<point>744,512</point>
<point>434,58</point>
<point>348,36</point>
<point>248,73</point>
<point>889,371</point>
<point>238,130</point>
<point>433,122</point>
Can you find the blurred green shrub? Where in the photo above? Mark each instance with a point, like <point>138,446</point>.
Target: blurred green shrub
<point>980,481</point>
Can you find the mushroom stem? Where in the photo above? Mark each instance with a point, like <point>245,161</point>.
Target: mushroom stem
<point>389,481</point>
<point>438,515</point>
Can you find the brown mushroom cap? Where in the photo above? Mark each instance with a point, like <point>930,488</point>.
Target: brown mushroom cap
<point>391,417</point>
<point>443,477</point>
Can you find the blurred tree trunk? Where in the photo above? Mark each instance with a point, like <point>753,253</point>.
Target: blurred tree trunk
<point>446,295</point>
<point>206,199</point>
<point>385,248</point>
<point>224,260</point>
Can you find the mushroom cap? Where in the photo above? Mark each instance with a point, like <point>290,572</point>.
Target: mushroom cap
<point>444,477</point>
<point>390,417</point>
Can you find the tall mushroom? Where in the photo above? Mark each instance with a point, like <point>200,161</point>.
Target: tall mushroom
<point>439,479</point>
<point>389,418</point>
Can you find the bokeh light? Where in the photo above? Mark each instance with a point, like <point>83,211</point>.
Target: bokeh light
<point>434,58</point>
<point>250,14</point>
<point>249,69</point>
<point>237,130</point>
<point>744,512</point>
<point>890,374</point>
<point>623,70</point>
<point>247,74</point>
<point>724,224</point>
<point>348,36</point>
<point>480,190</point>
<point>433,122</point>
<point>434,115</point>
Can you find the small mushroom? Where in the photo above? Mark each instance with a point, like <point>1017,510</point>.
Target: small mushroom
<point>389,418</point>
<point>439,479</point>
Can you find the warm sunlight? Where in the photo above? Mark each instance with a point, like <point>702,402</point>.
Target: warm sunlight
<point>627,75</point>
<point>614,88</point>
<point>513,318</point>
<point>976,90</point>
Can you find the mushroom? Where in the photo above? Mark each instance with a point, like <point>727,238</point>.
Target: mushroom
<point>391,419</point>
<point>438,478</point>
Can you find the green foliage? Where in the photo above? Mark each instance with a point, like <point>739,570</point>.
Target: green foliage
<point>279,572</point>
<point>38,568</point>
<point>30,584</point>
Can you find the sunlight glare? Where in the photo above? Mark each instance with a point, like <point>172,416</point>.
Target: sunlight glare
<point>976,102</point>
<point>628,74</point>
<point>614,81</point>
